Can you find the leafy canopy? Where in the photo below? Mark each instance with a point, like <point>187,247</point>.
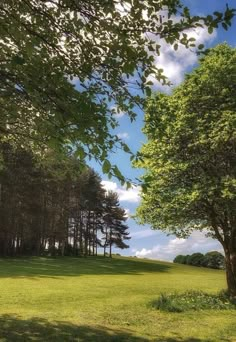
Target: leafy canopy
<point>190,156</point>
<point>103,47</point>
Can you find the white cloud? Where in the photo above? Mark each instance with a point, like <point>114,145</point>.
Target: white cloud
<point>123,135</point>
<point>109,185</point>
<point>130,195</point>
<point>176,63</point>
<point>197,242</point>
<point>127,212</point>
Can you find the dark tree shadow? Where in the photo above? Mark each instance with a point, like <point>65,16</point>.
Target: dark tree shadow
<point>14,329</point>
<point>69,266</point>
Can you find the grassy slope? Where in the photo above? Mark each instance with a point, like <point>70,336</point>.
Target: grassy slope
<point>69,299</point>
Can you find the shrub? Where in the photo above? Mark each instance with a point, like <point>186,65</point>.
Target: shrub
<point>186,259</point>
<point>179,259</point>
<point>211,259</point>
<point>214,260</point>
<point>166,303</point>
<point>196,259</point>
<point>193,300</point>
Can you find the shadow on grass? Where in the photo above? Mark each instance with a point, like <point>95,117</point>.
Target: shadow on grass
<point>69,266</point>
<point>13,328</point>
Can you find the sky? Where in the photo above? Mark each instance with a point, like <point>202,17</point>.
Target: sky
<point>145,242</point>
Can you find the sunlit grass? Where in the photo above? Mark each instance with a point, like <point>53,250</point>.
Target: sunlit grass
<point>97,299</point>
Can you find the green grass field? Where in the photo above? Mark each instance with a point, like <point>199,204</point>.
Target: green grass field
<point>97,299</point>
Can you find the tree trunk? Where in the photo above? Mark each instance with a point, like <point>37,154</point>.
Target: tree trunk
<point>230,264</point>
<point>110,251</point>
<point>110,246</point>
<point>229,245</point>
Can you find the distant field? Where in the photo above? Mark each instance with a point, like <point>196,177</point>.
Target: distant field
<point>97,299</point>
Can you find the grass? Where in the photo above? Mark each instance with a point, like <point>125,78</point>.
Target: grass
<point>97,299</point>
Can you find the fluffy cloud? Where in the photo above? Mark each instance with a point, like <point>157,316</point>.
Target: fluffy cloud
<point>130,195</point>
<point>197,242</point>
<point>176,63</point>
<point>123,135</point>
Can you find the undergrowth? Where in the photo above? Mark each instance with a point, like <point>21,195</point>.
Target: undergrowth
<point>193,300</point>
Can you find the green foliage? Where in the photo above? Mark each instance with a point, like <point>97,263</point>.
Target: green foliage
<point>191,137</point>
<point>190,157</point>
<point>211,260</point>
<point>54,206</point>
<point>179,259</point>
<point>100,46</point>
<point>214,260</point>
<point>113,226</point>
<point>193,300</point>
<point>196,259</point>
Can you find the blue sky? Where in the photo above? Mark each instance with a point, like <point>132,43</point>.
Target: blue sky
<point>146,242</point>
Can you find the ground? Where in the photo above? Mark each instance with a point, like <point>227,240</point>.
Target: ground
<point>102,299</point>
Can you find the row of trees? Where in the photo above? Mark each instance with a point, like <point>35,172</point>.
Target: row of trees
<point>55,207</point>
<point>212,259</point>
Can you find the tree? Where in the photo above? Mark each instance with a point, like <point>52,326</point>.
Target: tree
<point>196,259</point>
<point>103,46</point>
<point>114,229</point>
<point>179,259</point>
<point>214,259</point>
<point>190,157</point>
<point>54,207</point>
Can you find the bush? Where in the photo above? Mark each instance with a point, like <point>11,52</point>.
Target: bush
<point>196,259</point>
<point>166,303</point>
<point>179,259</point>
<point>193,300</point>
<point>212,260</point>
<point>186,260</point>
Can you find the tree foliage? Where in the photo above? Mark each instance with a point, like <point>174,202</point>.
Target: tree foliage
<point>102,46</point>
<point>212,259</point>
<point>114,228</point>
<point>190,157</point>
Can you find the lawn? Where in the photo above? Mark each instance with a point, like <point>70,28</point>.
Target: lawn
<point>97,299</point>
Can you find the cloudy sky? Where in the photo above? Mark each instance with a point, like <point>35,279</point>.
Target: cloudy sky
<point>146,242</point>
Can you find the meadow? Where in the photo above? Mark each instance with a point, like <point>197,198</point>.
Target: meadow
<point>103,299</point>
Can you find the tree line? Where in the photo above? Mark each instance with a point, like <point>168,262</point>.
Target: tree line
<point>53,205</point>
<point>212,259</point>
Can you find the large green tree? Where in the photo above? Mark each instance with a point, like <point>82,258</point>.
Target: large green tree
<point>102,46</point>
<point>190,156</point>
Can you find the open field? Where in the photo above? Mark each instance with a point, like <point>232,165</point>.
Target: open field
<point>97,299</point>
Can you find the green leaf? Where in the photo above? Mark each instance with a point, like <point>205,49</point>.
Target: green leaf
<point>210,30</point>
<point>106,167</point>
<point>148,91</point>
<point>80,153</point>
<point>18,60</point>
<point>117,173</point>
<point>176,46</point>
